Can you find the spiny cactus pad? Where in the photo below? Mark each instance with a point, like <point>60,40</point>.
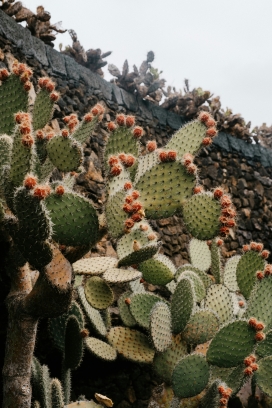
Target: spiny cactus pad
<point>201,327</point>
<point>145,163</point>
<point>141,306</point>
<point>132,344</point>
<point>93,315</point>
<point>100,349</point>
<point>124,311</point>
<point>199,288</point>
<point>201,215</point>
<point>73,343</point>
<point>5,154</point>
<point>158,270</point>
<point>230,346</point>
<point>260,302</point>
<point>84,130</point>
<point>44,171</point>
<point>117,275</point>
<point>216,267</point>
<point>200,254</point>
<point>190,376</point>
<point>264,375</point>
<point>230,280</point>
<point>94,265</point>
<point>136,286</point>
<point>164,189</point>
<point>264,348</point>
<point>219,300</point>
<point>115,214</point>
<point>74,218</point>
<point>98,293</point>
<point>203,276</point>
<point>42,109</point>
<point>65,153</point>
<point>160,326</point>
<point>182,305</point>
<point>248,265</point>
<point>212,397</point>
<point>56,394</point>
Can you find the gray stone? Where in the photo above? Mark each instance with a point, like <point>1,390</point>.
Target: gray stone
<point>159,113</point>
<point>117,94</point>
<point>71,68</point>
<point>39,51</point>
<point>130,101</point>
<point>250,151</point>
<point>144,108</point>
<point>222,140</point>
<point>174,120</point>
<point>88,77</point>
<point>105,87</point>
<point>56,61</point>
<point>242,184</point>
<point>235,144</point>
<point>266,181</point>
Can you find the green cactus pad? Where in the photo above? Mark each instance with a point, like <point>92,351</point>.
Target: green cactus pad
<point>84,131</point>
<point>201,215</point>
<point>207,281</point>
<point>94,265</point>
<point>199,288</point>
<point>182,305</point>
<point>249,264</point>
<point>116,275</point>
<point>200,254</point>
<point>165,362</point>
<point>121,140</point>
<point>171,286</point>
<point>230,280</point>
<point>264,375</point>
<point>140,256</point>
<point>74,218</point>
<point>106,316</point>
<point>164,189</point>
<point>219,300</point>
<point>233,377</point>
<point>73,343</point>
<point>115,215</point>
<point>136,286</point>
<point>44,171</point>
<point>5,157</point>
<point>124,311</point>
<point>100,349</point>
<point>41,149</point>
<point>145,163</point>
<point>230,346</point>
<point>264,348</point>
<point>141,306</point>
<point>160,326</point>
<point>42,109</point>
<point>13,98</point>
<point>212,397</point>
<point>190,376</point>
<point>132,344</point>
<point>201,327</point>
<point>260,302</point>
<point>65,153</point>
<point>93,315</point>
<point>158,270</point>
<point>98,293</point>
<point>216,266</point>
<point>116,183</point>
<point>56,394</point>
<point>38,254</point>
<point>188,139</point>
<point>69,181</point>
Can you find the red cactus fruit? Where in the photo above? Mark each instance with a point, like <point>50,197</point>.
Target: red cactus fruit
<point>268,270</point>
<point>95,111</point>
<point>163,157</point>
<point>50,135</point>
<point>192,169</point>
<point>127,185</point>
<point>60,190</point>
<point>88,117</point>
<point>72,124</point>
<point>111,126</point>
<point>209,243</point>
<point>129,199</point>
<point>225,201</point>
<point>229,212</point>
<point>41,192</point>
<point>137,217</point>
<point>254,366</point>
<point>223,219</point>
<point>211,132</point>
<point>151,146</point>
<point>204,116</point>
<point>130,121</point>
<point>30,182</point>
<point>135,194</point>
<point>241,303</point>
<point>21,117</point>
<point>116,170</point>
<point>187,159</point>
<point>253,246</point>
<point>113,160</point>
<point>27,140</point>
<point>136,206</point>
<point>120,119</point>
<point>248,371</point>
<point>224,231</point>
<point>252,358</point>
<point>24,77</point>
<point>259,247</point>
<point>219,242</point>
<point>142,280</point>
<point>252,322</point>
<point>259,275</point>
<point>210,122</point>
<point>260,336</point>
<point>21,68</point>
<point>138,132</point>
<point>4,74</point>
<point>54,96</point>
<point>143,227</point>
<point>218,192</point>
<point>127,208</point>
<point>65,133</point>
<point>129,223</point>
<point>42,82</point>
<point>50,86</point>
<point>151,237</point>
<point>246,248</point>
<point>27,86</point>
<point>198,190</point>
<point>122,157</point>
<point>84,333</point>
<point>230,223</point>
<point>66,119</point>
<point>265,254</point>
<point>40,134</point>
<point>221,389</point>
<point>248,361</point>
<point>172,155</point>
<point>100,108</point>
<point>260,326</point>
<point>207,141</point>
<point>223,402</point>
<point>129,160</point>
<point>127,301</point>
<point>25,128</point>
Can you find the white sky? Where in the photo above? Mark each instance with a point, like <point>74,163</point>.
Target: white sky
<point>222,46</point>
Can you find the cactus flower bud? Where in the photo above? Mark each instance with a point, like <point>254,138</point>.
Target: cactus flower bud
<point>204,116</point>
<point>223,402</point>
<point>172,155</point>
<point>151,146</point>
<point>25,128</point>
<point>218,192</point>
<point>95,111</point>
<point>225,201</point>
<point>229,212</point>
<point>211,132</point>
<point>129,199</point>
<point>111,126</point>
<point>4,74</point>
<point>129,223</point>
<point>259,247</point>
<point>187,159</point>
<point>88,117</point>
<point>248,371</point>
<point>27,140</point>
<point>163,157</point>
<point>135,194</point>
<point>241,303</point>
<point>143,227</point>
<point>66,119</point>
<point>259,326</point>
<point>265,254</point>
<point>127,185</point>
<point>207,141</point>
<point>113,160</point>
<point>42,82</point>
<point>210,122</point>
<point>230,223</point>
<point>268,270</point>
<point>65,133</point>
<point>60,190</point>
<point>127,208</point>
<point>21,68</point>
<point>224,231</point>
<point>136,206</point>
<point>21,117</point>
<point>151,237</point>
<point>260,336</point>
<point>30,182</point>
<point>137,217</point>
<point>50,86</point>
<point>127,301</point>
<point>129,160</point>
<point>116,170</point>
<point>259,275</point>
<point>50,135</point>
<point>254,366</point>
<point>198,190</point>
<point>246,248</point>
<point>41,192</point>
<point>192,169</point>
<point>24,77</point>
<point>27,86</point>
<point>84,333</point>
<point>120,119</point>
<point>252,322</point>
<point>130,121</point>
<point>219,242</point>
<point>40,135</point>
<point>54,96</point>
<point>138,132</point>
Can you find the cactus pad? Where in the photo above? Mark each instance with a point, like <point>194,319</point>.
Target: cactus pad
<point>216,267</point>
<point>264,348</point>
<point>84,131</point>
<point>219,300</point>
<point>160,326</point>
<point>230,346</point>
<point>182,305</point>
<point>132,344</point>
<point>260,302</point>
<point>158,270</point>
<point>136,286</point>
<point>93,315</point>
<point>201,327</point>
<point>116,275</point>
<point>115,215</point>
<point>203,276</point>
<point>145,163</point>
<point>124,311</point>
<point>132,256</point>
<point>100,349</point>
<point>73,343</point>
<point>200,254</point>
<point>230,280</point>
<point>212,397</point>
<point>56,394</point>
<point>190,376</point>
<point>121,141</point>
<point>5,153</point>
<point>42,109</point>
<point>98,293</point>
<point>248,265</point>
<point>74,218</point>
<point>65,153</point>
<point>201,215</point>
<point>198,285</point>
<point>164,189</point>
<point>141,306</point>
<point>263,375</point>
<point>94,265</point>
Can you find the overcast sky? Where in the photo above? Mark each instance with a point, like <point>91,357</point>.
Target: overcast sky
<point>222,46</point>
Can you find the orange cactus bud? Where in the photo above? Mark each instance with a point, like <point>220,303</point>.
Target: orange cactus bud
<point>138,132</point>
<point>219,242</point>
<point>151,146</point>
<point>260,336</point>
<point>209,243</point>
<point>4,74</point>
<point>84,333</point>
<point>65,133</point>
<point>163,157</point>
<point>41,192</point>
<point>122,157</point>
<point>241,303</point>
<point>50,135</point>
<point>54,96</point>
<point>127,301</point>
<point>248,371</point>
<point>72,124</point>
<point>142,280</point>
<point>151,237</point>
<point>137,217</point>
<point>111,126</point>
<point>230,223</point>
<point>225,201</point>
<point>268,270</point>
<point>21,68</point>
<point>259,247</point>
<point>210,122</point>
<point>100,108</point>
<point>66,119</point>
<point>27,140</point>
<point>129,160</point>
<point>40,134</point>
<point>172,155</point>
<point>129,199</point>
<point>198,190</point>
<point>95,111</point>
<point>60,190</point>
<point>130,121</point>
<point>204,116</point>
<point>224,231</point>
<point>27,86</point>
<point>259,275</point>
<point>143,227</point>
<point>187,159</point>
<point>246,248</point>
<point>223,402</point>
<point>88,117</point>
<point>120,119</point>
<point>229,212</point>
<point>21,117</point>
<point>254,366</point>
<point>136,206</point>
<point>50,86</point>
<point>211,132</point>
<point>30,182</point>
<point>253,246</point>
<point>207,141</point>
<point>42,82</point>
<point>127,208</point>
<point>265,254</point>
<point>218,192</point>
<point>135,194</point>
<point>129,223</point>
<point>252,322</point>
<point>127,185</point>
<point>25,128</point>
<point>192,169</point>
<point>113,160</point>
<point>116,170</point>
<point>221,389</point>
<point>24,77</point>
<point>260,326</point>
